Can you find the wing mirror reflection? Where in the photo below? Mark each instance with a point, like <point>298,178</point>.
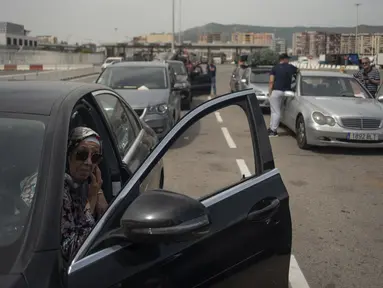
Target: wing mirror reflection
<point>289,94</point>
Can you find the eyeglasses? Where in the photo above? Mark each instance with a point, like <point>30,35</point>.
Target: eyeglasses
<point>365,63</point>
<point>82,155</point>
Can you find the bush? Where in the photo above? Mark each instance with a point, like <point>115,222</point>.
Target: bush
<point>264,57</point>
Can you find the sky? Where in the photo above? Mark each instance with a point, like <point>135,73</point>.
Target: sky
<point>97,20</point>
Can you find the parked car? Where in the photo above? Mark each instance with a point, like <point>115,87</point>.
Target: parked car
<point>235,80</point>
<point>150,88</point>
<point>148,237</point>
<point>200,80</point>
<point>183,81</point>
<point>258,80</point>
<point>110,61</point>
<point>333,109</point>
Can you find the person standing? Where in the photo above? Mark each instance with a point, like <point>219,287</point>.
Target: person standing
<point>369,76</point>
<point>280,81</point>
<point>212,71</point>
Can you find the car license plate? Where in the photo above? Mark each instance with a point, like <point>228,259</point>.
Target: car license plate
<point>363,136</point>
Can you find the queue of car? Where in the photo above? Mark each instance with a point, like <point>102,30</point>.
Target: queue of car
<point>323,108</point>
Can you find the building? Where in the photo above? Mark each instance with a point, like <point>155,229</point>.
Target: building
<point>279,45</point>
<point>301,44</point>
<point>210,38</point>
<point>159,38</point>
<point>333,43</point>
<point>317,43</point>
<point>15,35</point>
<point>47,39</point>
<point>258,39</point>
<point>367,44</point>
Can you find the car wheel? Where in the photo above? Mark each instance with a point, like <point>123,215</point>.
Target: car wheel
<point>301,133</point>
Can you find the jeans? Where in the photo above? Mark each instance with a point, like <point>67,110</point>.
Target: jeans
<point>275,109</point>
<point>213,85</point>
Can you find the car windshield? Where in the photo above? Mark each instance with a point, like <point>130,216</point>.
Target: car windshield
<point>110,61</point>
<point>179,68</point>
<point>141,78</point>
<point>330,86</point>
<point>21,142</point>
<point>259,77</point>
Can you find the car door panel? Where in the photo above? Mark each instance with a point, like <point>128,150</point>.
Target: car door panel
<point>249,238</point>
<point>200,83</point>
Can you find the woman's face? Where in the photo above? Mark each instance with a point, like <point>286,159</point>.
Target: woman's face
<point>84,160</point>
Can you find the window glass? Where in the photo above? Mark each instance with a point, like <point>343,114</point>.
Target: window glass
<point>318,86</point>
<point>259,77</point>
<point>119,122</point>
<point>134,77</point>
<point>178,68</point>
<point>21,142</point>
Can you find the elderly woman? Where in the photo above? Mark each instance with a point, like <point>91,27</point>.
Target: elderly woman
<point>83,200</point>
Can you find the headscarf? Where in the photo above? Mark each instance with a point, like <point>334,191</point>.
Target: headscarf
<point>79,134</point>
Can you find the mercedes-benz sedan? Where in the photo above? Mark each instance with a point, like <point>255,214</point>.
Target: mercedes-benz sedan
<point>333,109</point>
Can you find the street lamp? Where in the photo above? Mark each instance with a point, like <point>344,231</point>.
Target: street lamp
<point>180,22</point>
<point>173,24</point>
<point>356,28</point>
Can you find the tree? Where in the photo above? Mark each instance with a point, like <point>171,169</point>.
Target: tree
<point>264,57</point>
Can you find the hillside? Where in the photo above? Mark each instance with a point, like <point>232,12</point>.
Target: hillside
<point>282,32</point>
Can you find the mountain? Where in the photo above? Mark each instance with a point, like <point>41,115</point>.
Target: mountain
<point>193,34</point>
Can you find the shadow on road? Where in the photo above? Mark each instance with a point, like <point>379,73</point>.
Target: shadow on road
<point>192,132</point>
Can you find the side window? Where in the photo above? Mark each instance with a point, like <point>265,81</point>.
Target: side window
<point>118,121</point>
<point>133,119</point>
<point>380,91</point>
<point>171,77</point>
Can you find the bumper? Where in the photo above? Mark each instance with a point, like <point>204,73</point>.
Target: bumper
<point>161,124</point>
<point>337,136</point>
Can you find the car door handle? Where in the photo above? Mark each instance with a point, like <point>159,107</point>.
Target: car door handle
<point>264,210</point>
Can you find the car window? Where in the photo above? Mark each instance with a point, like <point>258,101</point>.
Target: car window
<point>21,142</point>
<point>133,118</point>
<point>134,77</point>
<point>380,91</point>
<point>118,121</point>
<point>259,77</point>
<point>326,86</point>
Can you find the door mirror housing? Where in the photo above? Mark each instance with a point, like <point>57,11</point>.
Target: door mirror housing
<point>160,216</point>
<point>289,94</point>
<point>243,80</point>
<point>177,86</point>
<point>380,98</point>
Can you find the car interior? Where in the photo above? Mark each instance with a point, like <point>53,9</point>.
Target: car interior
<point>113,177</point>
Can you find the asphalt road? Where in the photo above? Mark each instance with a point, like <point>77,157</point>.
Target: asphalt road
<point>336,194</point>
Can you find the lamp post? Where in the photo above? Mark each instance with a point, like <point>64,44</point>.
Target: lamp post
<point>180,22</point>
<point>356,28</point>
<point>173,24</point>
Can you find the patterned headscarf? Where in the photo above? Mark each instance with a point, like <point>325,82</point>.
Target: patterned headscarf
<point>79,134</point>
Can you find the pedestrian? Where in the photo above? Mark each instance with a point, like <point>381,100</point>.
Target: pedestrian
<point>369,76</point>
<point>280,81</point>
<point>212,71</point>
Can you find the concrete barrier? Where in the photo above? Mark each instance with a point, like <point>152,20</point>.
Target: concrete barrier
<point>305,66</point>
<point>55,75</point>
<point>41,67</point>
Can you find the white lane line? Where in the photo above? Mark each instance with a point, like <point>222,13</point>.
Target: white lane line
<point>208,97</point>
<point>228,138</point>
<point>243,167</point>
<point>218,116</point>
<point>296,277</point>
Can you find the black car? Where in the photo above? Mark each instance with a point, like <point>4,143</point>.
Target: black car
<point>183,82</point>
<point>148,237</point>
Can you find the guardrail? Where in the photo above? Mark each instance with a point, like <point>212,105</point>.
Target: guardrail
<point>55,75</point>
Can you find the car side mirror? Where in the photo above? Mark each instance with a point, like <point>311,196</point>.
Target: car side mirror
<point>380,98</point>
<point>177,87</point>
<point>161,216</point>
<point>243,80</point>
<point>289,94</point>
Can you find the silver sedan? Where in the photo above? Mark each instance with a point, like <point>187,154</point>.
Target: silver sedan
<point>258,80</point>
<point>332,109</point>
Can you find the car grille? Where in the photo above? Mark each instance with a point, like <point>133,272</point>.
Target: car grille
<point>361,123</point>
<point>139,112</point>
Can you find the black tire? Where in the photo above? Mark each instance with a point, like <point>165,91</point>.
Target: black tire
<point>301,133</point>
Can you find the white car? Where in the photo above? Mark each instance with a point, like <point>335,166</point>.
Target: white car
<point>110,61</point>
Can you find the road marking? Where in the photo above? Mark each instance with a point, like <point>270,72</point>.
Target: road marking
<point>243,167</point>
<point>228,138</point>
<point>296,277</point>
<point>218,116</point>
<point>208,97</point>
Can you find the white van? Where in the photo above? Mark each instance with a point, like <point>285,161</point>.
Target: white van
<point>109,61</point>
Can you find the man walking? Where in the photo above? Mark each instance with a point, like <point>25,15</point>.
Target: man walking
<point>212,71</point>
<point>369,76</point>
<point>280,81</point>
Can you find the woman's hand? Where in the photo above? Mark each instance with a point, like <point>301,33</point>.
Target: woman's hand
<point>94,188</point>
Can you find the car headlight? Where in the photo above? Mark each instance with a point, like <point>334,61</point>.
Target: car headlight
<point>321,119</point>
<point>161,109</point>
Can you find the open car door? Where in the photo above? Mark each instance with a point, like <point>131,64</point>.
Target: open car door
<point>239,236</point>
<point>200,81</point>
